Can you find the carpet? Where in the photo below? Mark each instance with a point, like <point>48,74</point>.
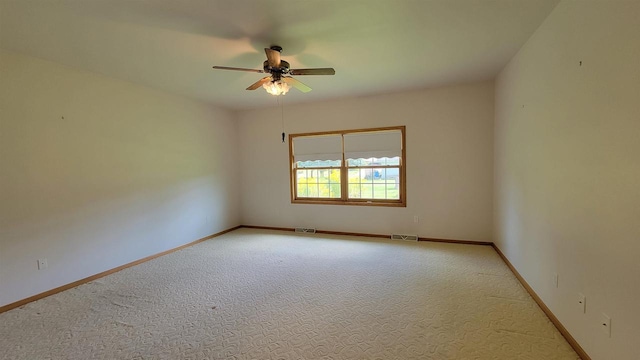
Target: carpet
<point>256,294</point>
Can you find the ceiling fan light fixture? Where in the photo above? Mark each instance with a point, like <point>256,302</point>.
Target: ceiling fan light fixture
<point>276,87</point>
<point>279,80</point>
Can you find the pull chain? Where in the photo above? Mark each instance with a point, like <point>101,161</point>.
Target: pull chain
<point>282,116</point>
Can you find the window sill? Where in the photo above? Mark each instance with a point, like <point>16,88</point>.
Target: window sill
<point>393,203</point>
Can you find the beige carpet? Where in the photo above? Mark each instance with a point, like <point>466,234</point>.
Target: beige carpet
<point>275,295</point>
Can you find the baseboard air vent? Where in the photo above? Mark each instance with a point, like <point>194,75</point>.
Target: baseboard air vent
<point>404,237</point>
<point>305,230</point>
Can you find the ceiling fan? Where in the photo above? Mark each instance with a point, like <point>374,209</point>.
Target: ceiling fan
<point>278,82</point>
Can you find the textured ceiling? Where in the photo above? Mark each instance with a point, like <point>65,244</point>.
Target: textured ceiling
<point>376,46</point>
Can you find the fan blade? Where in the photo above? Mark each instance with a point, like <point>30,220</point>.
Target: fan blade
<point>237,69</point>
<point>259,83</point>
<point>273,57</point>
<point>318,71</point>
<point>296,84</point>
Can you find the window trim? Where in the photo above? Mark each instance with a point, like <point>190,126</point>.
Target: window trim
<point>344,171</point>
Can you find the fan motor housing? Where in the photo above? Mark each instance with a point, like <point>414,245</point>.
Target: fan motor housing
<point>283,69</point>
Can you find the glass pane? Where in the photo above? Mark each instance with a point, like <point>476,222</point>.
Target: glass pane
<point>302,190</point>
<point>392,173</point>
<point>377,174</point>
<point>323,176</point>
<point>379,190</point>
<point>394,161</point>
<point>393,190</point>
<point>354,175</point>
<point>367,191</point>
<point>313,190</point>
<point>334,191</point>
<point>354,191</point>
<point>384,186</point>
<point>318,164</point>
<point>323,190</point>
<point>318,183</point>
<point>366,176</point>
<point>356,162</point>
<point>334,178</point>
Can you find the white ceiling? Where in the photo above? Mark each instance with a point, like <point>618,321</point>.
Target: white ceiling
<point>375,46</point>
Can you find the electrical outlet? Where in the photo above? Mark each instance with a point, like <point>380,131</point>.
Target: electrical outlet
<point>582,303</point>
<point>42,264</point>
<point>605,324</point>
<point>555,279</point>
<point>416,218</point>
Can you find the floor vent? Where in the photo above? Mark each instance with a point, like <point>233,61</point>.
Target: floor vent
<point>404,237</point>
<point>305,230</point>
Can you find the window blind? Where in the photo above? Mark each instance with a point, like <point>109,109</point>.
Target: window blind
<point>322,147</point>
<point>377,144</point>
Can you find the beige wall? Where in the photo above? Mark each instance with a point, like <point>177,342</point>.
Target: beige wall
<point>567,169</point>
<point>449,163</point>
<point>128,172</point>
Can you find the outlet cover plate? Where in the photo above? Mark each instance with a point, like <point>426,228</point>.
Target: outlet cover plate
<point>42,264</point>
<point>605,324</point>
<point>582,303</point>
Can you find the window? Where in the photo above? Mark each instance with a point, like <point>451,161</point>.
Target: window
<point>351,167</point>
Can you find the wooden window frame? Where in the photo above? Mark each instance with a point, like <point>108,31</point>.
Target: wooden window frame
<point>344,173</point>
